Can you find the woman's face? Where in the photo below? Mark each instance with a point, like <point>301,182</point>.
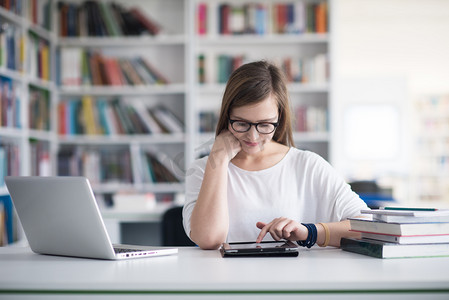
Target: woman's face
<point>253,141</point>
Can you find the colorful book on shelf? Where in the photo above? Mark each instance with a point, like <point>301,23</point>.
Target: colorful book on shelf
<point>202,18</point>
<point>207,121</point>
<point>403,229</point>
<point>158,76</point>
<point>112,26</point>
<point>321,17</point>
<point>90,116</point>
<point>39,107</point>
<point>81,67</point>
<point>409,215</point>
<point>149,24</point>
<point>167,119</point>
<point>9,103</point>
<point>7,220</point>
<point>104,165</point>
<point>311,119</point>
<point>160,167</point>
<point>143,112</point>
<point>382,249</point>
<point>12,45</point>
<point>40,164</point>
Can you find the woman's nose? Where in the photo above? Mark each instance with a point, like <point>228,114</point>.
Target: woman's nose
<point>253,133</point>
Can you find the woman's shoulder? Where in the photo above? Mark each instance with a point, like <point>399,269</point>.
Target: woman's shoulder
<point>304,155</point>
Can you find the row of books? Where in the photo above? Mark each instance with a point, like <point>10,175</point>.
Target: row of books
<point>9,103</point>
<point>111,117</point>
<point>100,18</point>
<point>217,69</point>
<point>158,168</point>
<point>14,6</point>
<point>400,232</point>
<point>208,121</point>
<point>39,12</point>
<point>311,119</point>
<point>39,109</point>
<point>38,57</point>
<point>8,221</point>
<point>82,67</point>
<point>260,18</point>
<point>113,165</point>
<point>105,165</point>
<point>306,70</point>
<point>11,47</point>
<point>9,161</point>
<point>40,164</point>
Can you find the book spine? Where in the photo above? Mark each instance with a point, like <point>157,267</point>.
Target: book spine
<point>202,18</point>
<point>361,247</point>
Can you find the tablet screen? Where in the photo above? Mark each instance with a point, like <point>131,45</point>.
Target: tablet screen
<point>257,245</point>
<point>280,248</point>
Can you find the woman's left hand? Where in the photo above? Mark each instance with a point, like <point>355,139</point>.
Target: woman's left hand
<point>282,228</point>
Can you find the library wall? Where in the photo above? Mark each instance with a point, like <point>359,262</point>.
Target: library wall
<point>399,43</point>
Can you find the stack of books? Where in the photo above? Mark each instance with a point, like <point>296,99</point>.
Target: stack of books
<point>395,232</point>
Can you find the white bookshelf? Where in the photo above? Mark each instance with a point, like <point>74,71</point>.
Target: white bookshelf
<point>23,79</point>
<point>174,52</point>
<point>269,46</point>
<point>167,52</point>
<point>430,180</point>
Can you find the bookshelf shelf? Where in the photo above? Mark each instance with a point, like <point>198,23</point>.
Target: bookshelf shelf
<point>162,187</point>
<point>311,136</point>
<point>112,187</point>
<point>14,75</point>
<point>251,39</point>
<point>14,133</point>
<point>11,17</point>
<point>211,88</point>
<point>41,32</point>
<point>41,135</point>
<point>143,41</point>
<point>308,87</point>
<point>41,83</point>
<point>122,139</point>
<point>123,90</point>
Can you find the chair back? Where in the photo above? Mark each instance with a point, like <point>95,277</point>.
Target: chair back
<point>173,233</point>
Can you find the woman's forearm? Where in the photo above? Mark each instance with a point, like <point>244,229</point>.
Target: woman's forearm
<point>210,221</point>
<point>337,230</point>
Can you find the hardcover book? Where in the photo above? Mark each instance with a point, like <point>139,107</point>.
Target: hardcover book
<point>409,216</point>
<point>381,249</point>
<point>405,229</point>
<point>417,239</point>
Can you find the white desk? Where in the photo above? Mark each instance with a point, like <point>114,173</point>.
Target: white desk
<point>197,274</point>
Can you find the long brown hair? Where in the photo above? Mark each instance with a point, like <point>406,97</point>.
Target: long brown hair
<point>251,84</point>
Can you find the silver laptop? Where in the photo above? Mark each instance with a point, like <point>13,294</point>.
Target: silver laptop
<point>60,216</point>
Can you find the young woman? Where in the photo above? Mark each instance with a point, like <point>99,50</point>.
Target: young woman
<point>255,182</point>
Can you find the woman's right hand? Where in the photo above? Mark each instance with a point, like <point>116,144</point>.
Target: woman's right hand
<point>226,146</point>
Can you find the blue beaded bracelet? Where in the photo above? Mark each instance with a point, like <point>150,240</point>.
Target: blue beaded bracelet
<point>311,236</point>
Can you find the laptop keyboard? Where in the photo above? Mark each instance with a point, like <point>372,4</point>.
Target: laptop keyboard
<point>125,250</point>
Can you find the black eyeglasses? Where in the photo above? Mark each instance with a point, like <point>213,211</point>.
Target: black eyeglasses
<point>262,127</point>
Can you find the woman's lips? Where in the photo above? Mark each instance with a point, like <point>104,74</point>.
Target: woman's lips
<point>251,144</point>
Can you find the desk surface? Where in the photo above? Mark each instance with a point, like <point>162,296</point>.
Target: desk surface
<point>197,271</point>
